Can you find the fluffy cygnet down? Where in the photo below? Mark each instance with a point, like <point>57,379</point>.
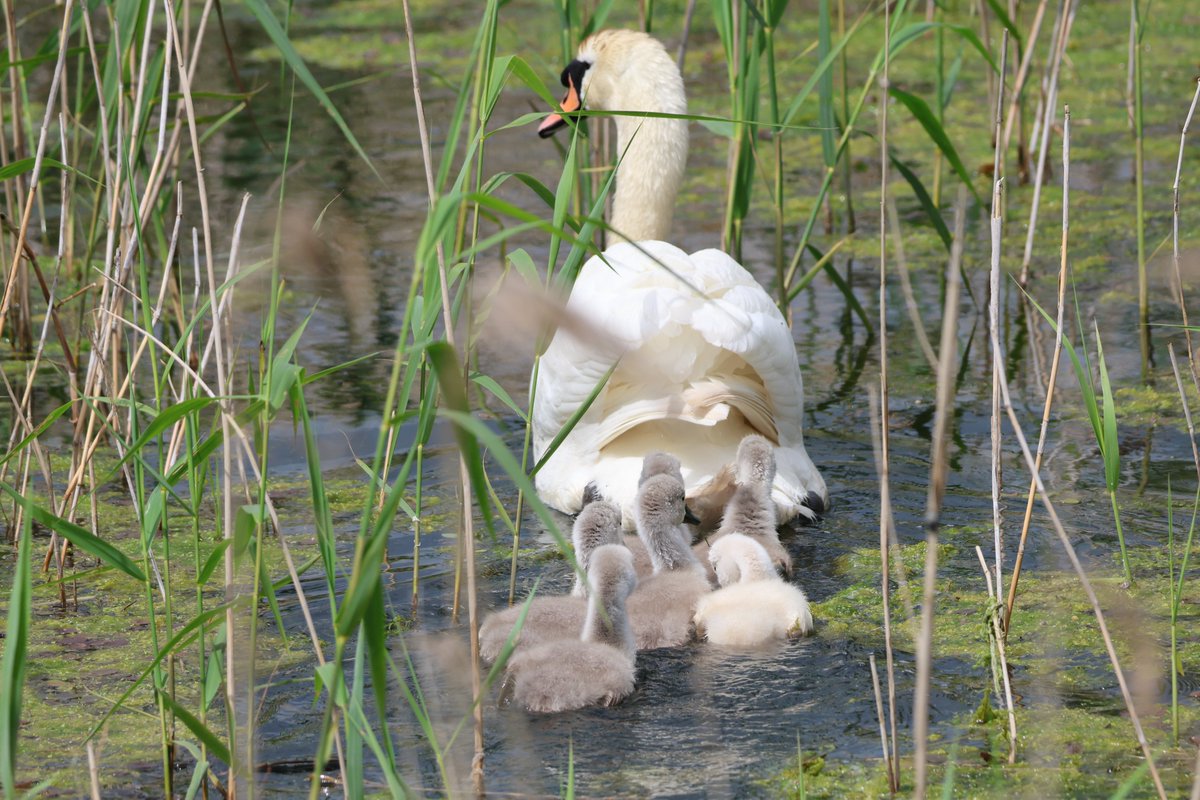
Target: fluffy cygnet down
<point>552,618</point>
<point>754,605</point>
<point>598,524</point>
<point>656,463</point>
<point>750,510</point>
<point>661,609</point>
<point>596,669</point>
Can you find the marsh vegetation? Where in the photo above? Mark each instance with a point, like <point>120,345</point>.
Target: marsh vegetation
<point>275,276</point>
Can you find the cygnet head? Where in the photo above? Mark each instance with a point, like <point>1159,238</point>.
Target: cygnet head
<point>597,525</point>
<point>660,512</point>
<point>755,461</point>
<point>660,463</point>
<point>737,558</point>
<point>613,579</point>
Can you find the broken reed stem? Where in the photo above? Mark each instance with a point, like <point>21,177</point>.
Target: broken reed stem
<point>467,533</point>
<point>1058,51</point>
<point>1187,124</point>
<point>1196,778</point>
<point>997,224</point>
<point>885,500</point>
<point>1073,557</point>
<point>883,737</point>
<point>998,636</point>
<point>1058,338</point>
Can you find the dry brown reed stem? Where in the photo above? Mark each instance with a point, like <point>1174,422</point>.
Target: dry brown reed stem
<point>1187,411</point>
<point>1050,385</point>
<point>1073,557</point>
<point>910,300</point>
<point>1187,124</point>
<point>883,737</point>
<point>467,536</point>
<point>1035,30</point>
<point>998,636</point>
<point>885,497</point>
<point>683,37</point>
<point>997,222</point>
<point>886,537</point>
<point>1059,51</point>
<point>35,176</point>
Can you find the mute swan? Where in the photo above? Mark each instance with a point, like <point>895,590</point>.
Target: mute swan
<point>596,668</point>
<point>750,510</point>
<point>661,609</point>
<point>754,605</point>
<point>707,357</point>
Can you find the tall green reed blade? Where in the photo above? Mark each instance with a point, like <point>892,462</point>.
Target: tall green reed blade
<point>1103,418</point>
<point>1110,451</point>
<point>1136,33</point>
<point>279,37</point>
<point>12,665</point>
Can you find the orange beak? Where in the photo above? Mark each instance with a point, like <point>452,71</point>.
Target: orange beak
<point>570,102</point>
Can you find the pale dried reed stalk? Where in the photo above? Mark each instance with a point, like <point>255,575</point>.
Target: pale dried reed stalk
<point>1058,51</point>
<point>883,736</point>
<point>1050,385</point>
<point>1073,557</point>
<point>885,498</point>
<point>1035,30</point>
<point>997,223</point>
<point>1187,124</point>
<point>998,639</point>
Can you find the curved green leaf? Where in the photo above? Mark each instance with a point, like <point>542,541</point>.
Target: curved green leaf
<point>920,109</point>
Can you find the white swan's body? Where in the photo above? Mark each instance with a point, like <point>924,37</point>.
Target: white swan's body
<point>705,357</point>
<point>596,667</point>
<point>754,605</point>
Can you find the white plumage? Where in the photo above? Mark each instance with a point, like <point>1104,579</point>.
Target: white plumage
<point>704,354</point>
<point>759,607</point>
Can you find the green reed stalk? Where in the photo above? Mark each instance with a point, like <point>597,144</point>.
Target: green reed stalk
<point>12,663</point>
<point>1136,32</point>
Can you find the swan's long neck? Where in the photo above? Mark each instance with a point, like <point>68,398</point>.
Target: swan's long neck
<point>652,151</point>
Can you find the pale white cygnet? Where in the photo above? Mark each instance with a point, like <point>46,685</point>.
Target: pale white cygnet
<point>595,669</point>
<point>598,524</point>
<point>661,609</point>
<point>754,605</point>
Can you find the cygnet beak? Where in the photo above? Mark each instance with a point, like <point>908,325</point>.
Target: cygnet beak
<point>689,517</point>
<point>570,102</point>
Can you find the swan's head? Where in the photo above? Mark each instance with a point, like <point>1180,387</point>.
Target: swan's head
<point>755,461</point>
<point>611,574</point>
<point>619,70</point>
<point>660,464</point>
<point>736,558</point>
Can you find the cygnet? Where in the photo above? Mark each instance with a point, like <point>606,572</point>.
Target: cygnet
<point>598,524</point>
<point>661,609</point>
<point>595,669</point>
<point>750,510</point>
<point>754,605</point>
